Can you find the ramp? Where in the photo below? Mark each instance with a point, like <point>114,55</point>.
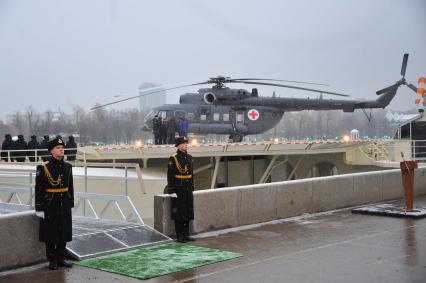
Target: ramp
<point>93,237</point>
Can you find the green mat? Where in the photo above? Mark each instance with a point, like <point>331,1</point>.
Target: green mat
<point>153,261</point>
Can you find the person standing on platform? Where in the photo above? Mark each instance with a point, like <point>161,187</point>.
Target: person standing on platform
<point>33,145</point>
<point>71,151</point>
<point>163,131</point>
<point>156,129</point>
<point>171,130</point>
<point>183,127</point>
<point>20,146</point>
<point>5,147</point>
<point>180,185</point>
<point>54,198</point>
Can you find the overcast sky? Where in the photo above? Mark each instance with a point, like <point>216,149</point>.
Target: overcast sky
<point>55,54</point>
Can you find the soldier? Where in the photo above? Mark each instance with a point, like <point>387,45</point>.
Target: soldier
<point>44,144</point>
<point>34,145</point>
<point>6,146</point>
<point>71,153</point>
<point>54,198</point>
<point>180,184</point>
<point>20,145</point>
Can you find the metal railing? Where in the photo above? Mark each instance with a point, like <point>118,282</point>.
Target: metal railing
<point>16,192</point>
<point>112,201</point>
<point>22,155</point>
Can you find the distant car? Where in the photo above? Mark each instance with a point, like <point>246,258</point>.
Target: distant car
<point>97,143</point>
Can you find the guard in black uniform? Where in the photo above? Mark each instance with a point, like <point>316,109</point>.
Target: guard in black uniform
<point>54,198</point>
<point>180,184</point>
<point>45,144</point>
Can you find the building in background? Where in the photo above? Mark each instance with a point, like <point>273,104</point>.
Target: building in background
<point>147,102</point>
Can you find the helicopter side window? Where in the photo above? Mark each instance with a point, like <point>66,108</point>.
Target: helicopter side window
<point>240,118</point>
<point>226,117</point>
<point>180,113</point>
<point>216,116</point>
<point>203,117</point>
<point>190,116</point>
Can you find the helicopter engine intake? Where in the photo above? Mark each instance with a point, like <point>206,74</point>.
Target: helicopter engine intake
<point>209,97</point>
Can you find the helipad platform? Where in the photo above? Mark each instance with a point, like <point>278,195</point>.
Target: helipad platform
<point>362,152</point>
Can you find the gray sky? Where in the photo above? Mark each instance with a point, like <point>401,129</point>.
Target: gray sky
<point>62,53</point>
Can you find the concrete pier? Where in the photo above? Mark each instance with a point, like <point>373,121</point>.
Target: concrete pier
<point>322,248</point>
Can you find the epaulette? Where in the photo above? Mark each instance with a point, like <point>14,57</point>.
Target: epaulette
<point>44,162</point>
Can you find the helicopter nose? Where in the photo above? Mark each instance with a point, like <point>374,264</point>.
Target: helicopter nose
<point>145,128</point>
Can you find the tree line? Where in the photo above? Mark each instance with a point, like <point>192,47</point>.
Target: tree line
<point>113,126</point>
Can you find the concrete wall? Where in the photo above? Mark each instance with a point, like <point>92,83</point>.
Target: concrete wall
<point>19,244</point>
<point>232,207</point>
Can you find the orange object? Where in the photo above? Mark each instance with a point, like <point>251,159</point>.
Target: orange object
<point>407,170</point>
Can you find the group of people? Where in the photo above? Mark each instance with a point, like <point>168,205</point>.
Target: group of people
<point>19,150</point>
<point>165,130</point>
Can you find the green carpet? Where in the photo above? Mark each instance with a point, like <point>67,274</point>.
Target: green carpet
<point>158,260</point>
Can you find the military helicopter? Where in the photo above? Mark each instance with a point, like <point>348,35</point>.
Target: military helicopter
<point>238,112</point>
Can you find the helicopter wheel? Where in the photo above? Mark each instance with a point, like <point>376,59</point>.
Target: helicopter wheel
<point>235,138</point>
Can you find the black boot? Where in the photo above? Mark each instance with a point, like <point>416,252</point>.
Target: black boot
<point>186,232</point>
<point>180,234</point>
<point>53,264</point>
<point>64,263</point>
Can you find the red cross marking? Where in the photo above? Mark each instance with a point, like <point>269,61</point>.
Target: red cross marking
<point>253,114</point>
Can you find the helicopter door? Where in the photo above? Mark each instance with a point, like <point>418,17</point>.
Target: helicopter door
<point>239,118</point>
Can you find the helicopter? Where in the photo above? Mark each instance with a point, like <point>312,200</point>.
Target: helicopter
<point>237,112</point>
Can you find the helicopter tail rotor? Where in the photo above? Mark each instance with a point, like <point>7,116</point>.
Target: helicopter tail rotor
<point>402,81</point>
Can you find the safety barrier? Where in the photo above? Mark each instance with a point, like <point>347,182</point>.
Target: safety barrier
<point>232,207</point>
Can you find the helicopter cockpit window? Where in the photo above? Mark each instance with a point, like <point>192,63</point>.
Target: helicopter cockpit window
<point>226,117</point>
<point>216,116</point>
<point>163,114</point>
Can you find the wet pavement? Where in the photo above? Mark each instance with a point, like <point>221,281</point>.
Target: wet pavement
<point>331,247</point>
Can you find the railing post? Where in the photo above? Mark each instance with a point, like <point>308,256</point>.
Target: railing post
<point>30,201</point>
<point>85,187</point>
<point>414,150</point>
<point>126,179</point>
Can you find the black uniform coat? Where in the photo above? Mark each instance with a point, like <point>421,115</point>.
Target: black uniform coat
<point>56,227</point>
<point>33,144</point>
<point>71,153</point>
<point>183,205</point>
<point>6,145</point>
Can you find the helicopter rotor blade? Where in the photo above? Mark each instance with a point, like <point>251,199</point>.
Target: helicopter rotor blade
<point>412,87</point>
<point>154,90</point>
<point>275,80</point>
<point>387,89</point>
<point>404,64</point>
<point>289,86</point>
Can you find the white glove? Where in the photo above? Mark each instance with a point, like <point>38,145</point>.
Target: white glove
<point>40,214</point>
<point>173,195</point>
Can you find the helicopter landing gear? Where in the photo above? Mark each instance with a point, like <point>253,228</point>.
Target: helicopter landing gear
<point>235,138</point>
